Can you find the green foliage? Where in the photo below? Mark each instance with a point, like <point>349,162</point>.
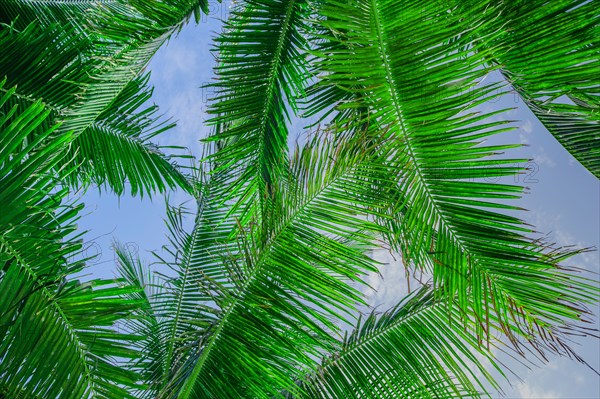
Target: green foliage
<point>51,324</point>
<point>262,298</point>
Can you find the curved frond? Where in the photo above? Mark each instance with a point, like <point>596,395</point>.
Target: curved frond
<point>145,321</point>
<point>418,349</point>
<point>56,332</point>
<point>419,79</point>
<point>117,149</point>
<point>286,290</point>
<point>87,75</point>
<point>550,54</point>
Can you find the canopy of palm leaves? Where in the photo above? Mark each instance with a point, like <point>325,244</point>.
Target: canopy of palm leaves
<point>261,299</point>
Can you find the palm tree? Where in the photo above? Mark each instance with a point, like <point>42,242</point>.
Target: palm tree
<point>262,296</point>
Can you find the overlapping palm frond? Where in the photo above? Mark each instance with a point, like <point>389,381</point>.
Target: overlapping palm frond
<point>89,73</point>
<point>550,54</point>
<point>276,299</point>
<point>145,321</point>
<point>416,69</point>
<point>117,149</point>
<point>137,32</point>
<point>268,279</point>
<point>181,303</point>
<point>260,74</point>
<point>67,13</point>
<point>51,324</point>
<point>417,349</point>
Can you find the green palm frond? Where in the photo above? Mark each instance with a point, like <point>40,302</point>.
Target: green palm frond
<point>56,332</point>
<point>283,291</point>
<point>61,52</point>
<point>87,76</point>
<point>418,78</point>
<point>71,14</point>
<point>189,306</point>
<point>550,54</point>
<point>182,302</point>
<point>140,32</point>
<point>270,276</point>
<point>145,322</point>
<point>418,349</point>
<point>117,149</point>
<point>261,72</point>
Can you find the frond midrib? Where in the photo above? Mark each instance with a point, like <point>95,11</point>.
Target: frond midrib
<point>464,247</point>
<point>67,325</point>
<point>265,253</point>
<point>181,293</point>
<point>145,52</point>
<point>271,85</point>
<point>379,331</point>
<point>276,66</point>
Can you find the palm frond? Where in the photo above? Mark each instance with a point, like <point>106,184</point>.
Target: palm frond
<point>70,14</point>
<point>56,332</point>
<point>182,301</point>
<point>88,75</point>
<point>418,349</point>
<point>418,77</point>
<point>145,322</point>
<point>189,305</point>
<point>289,287</point>
<point>117,149</point>
<point>550,54</point>
<point>260,73</point>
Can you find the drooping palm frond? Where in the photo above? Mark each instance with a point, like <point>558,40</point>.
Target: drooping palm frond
<point>189,306</point>
<point>550,54</point>
<point>260,73</point>
<point>87,74</point>
<point>69,14</point>
<point>418,77</point>
<point>117,149</point>
<point>47,63</point>
<point>58,335</point>
<point>27,196</point>
<point>182,301</point>
<point>256,292</point>
<point>139,31</point>
<point>418,349</point>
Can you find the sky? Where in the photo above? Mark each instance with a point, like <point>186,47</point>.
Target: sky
<point>563,200</point>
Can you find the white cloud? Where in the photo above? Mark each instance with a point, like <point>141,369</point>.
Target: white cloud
<point>543,159</point>
<point>528,391</point>
<point>527,126</point>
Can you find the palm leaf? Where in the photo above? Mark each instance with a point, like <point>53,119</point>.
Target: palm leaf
<point>416,349</point>
<point>260,73</point>
<point>284,289</point>
<point>56,331</point>
<point>420,94</point>
<point>92,70</point>
<point>145,321</point>
<point>117,149</point>
<point>550,55</point>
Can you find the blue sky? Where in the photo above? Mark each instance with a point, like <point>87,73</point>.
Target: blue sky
<point>563,200</point>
